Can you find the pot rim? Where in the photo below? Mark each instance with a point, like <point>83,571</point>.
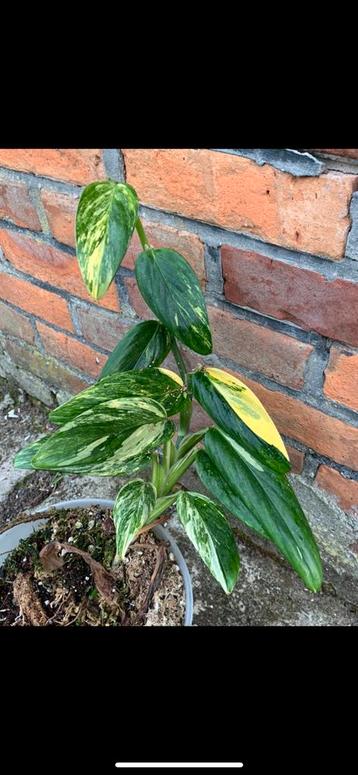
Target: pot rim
<point>159,530</point>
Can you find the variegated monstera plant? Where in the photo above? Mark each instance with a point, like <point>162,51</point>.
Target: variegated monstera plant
<point>122,424</point>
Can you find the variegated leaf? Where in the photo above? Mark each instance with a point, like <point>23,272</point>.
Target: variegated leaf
<point>111,438</point>
<point>263,499</point>
<point>213,479</point>
<point>23,459</point>
<point>172,291</point>
<point>105,455</point>
<point>238,412</point>
<point>211,534</point>
<point>131,511</point>
<point>106,216</point>
<point>146,344</point>
<point>157,384</point>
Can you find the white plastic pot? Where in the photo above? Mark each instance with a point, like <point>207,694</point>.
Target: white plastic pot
<point>11,538</point>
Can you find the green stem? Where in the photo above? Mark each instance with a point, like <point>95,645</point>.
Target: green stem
<point>179,361</point>
<point>141,234</point>
<point>177,471</point>
<point>167,451</point>
<point>184,420</point>
<point>156,471</point>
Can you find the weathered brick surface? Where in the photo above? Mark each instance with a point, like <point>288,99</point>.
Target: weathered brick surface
<point>352,241</point>
<point>12,322</point>
<point>100,328</point>
<point>161,236</point>
<point>351,153</point>
<point>345,490</point>
<point>308,214</point>
<point>60,210</point>
<point>44,367</point>
<point>341,377</point>
<point>288,292</point>
<point>297,458</point>
<point>320,432</point>
<point>75,165</point>
<point>51,265</point>
<point>44,304</point>
<point>136,300</point>
<point>16,205</point>
<point>65,348</point>
<point>280,357</point>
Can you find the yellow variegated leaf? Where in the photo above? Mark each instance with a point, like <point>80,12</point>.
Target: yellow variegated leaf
<point>247,406</point>
<point>239,413</point>
<point>105,221</point>
<point>172,375</point>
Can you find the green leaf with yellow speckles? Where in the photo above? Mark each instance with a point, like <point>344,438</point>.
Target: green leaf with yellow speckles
<point>172,291</point>
<point>155,384</point>
<point>211,534</point>
<point>114,437</point>
<point>105,220</point>
<point>131,511</point>
<point>146,344</point>
<point>23,459</point>
<point>261,498</point>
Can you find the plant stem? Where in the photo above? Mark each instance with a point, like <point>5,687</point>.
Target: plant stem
<point>166,456</point>
<point>184,420</point>
<point>155,471</point>
<point>141,234</point>
<point>179,360</point>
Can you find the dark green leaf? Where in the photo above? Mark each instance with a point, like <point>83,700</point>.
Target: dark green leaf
<point>131,511</point>
<point>106,216</point>
<point>146,344</point>
<point>246,486</point>
<point>216,484</point>
<point>211,534</point>
<point>150,383</point>
<point>218,408</point>
<point>172,291</point>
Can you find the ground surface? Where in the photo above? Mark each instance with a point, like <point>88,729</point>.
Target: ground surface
<point>268,593</point>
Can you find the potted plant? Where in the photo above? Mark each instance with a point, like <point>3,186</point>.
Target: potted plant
<point>135,420</point>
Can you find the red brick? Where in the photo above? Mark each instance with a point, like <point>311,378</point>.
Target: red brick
<point>33,299</point>
<point>60,210</point>
<point>318,431</point>
<point>100,328</point>
<point>305,213</point>
<point>352,153</point>
<point>12,322</point>
<point>345,490</point>
<point>16,205</point>
<point>75,165</point>
<point>288,292</point>
<point>45,368</point>
<point>64,347</point>
<point>136,300</point>
<point>280,357</point>
<point>341,378</point>
<point>297,458</point>
<point>199,418</point>
<point>51,265</point>
<point>160,236</point>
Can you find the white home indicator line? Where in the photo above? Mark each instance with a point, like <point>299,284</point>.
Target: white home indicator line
<point>183,765</point>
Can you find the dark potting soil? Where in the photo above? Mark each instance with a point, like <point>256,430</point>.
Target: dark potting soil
<point>146,589</point>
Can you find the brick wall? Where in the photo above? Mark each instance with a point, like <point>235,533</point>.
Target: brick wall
<point>273,237</point>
